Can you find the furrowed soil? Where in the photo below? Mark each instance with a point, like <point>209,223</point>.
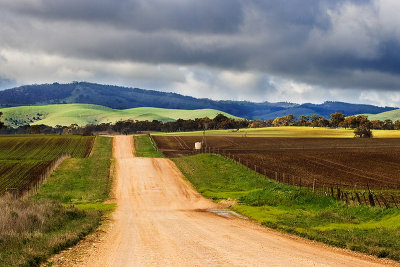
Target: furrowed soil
<point>24,158</point>
<point>345,162</point>
<point>161,220</point>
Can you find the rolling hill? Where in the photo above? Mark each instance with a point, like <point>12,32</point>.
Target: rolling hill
<point>82,114</point>
<point>117,97</point>
<point>393,115</point>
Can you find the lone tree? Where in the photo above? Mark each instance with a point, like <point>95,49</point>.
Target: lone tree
<point>363,130</point>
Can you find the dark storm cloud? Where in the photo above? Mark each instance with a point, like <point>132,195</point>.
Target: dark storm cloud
<point>143,15</point>
<point>350,44</point>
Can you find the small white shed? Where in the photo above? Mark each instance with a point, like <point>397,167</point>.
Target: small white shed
<point>197,145</point>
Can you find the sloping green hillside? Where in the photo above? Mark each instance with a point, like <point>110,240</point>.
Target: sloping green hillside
<point>393,115</point>
<point>82,114</point>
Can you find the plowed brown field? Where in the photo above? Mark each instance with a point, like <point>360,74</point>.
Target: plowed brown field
<point>344,162</point>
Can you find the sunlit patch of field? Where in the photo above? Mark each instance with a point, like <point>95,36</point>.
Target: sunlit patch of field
<point>290,131</point>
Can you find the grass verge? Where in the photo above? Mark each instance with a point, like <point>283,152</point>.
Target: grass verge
<point>81,181</point>
<point>65,209</point>
<point>293,210</point>
<point>145,148</point>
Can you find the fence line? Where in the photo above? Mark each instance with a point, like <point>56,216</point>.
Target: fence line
<point>348,193</point>
<point>153,142</point>
<point>33,186</point>
<point>90,148</point>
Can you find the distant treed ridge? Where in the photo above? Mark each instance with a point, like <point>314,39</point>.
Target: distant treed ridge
<point>124,98</point>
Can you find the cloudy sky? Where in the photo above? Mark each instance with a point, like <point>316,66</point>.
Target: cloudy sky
<point>287,50</point>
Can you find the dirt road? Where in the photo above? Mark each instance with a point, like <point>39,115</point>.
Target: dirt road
<point>161,221</point>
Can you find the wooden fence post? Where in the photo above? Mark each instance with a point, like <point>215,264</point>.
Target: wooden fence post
<point>365,199</point>
<point>371,199</point>
<point>346,197</point>
<point>394,201</point>
<point>385,202</point>
<point>313,186</point>
<point>377,199</point>
<point>358,198</point>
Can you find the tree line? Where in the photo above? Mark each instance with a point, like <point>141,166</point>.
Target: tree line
<point>134,126</point>
<point>361,125</point>
<point>336,120</point>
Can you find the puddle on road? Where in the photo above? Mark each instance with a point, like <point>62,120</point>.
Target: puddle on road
<point>226,213</point>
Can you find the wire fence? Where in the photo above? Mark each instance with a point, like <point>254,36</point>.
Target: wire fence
<point>33,185</point>
<point>352,194</point>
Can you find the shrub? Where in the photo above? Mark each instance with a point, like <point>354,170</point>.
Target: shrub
<point>363,132</point>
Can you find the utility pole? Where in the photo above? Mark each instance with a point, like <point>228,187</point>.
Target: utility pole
<point>205,126</point>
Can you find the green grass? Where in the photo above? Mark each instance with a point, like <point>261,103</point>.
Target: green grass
<point>393,115</point>
<point>145,148</point>
<point>291,209</point>
<point>70,205</point>
<point>82,114</point>
<point>81,181</point>
<point>290,131</point>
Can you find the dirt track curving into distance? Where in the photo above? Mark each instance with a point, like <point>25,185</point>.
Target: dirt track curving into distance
<point>162,221</point>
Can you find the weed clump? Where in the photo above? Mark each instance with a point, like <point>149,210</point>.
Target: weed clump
<point>26,227</point>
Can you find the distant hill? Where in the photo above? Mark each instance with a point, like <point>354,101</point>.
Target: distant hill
<point>82,114</point>
<point>124,98</point>
<point>393,115</point>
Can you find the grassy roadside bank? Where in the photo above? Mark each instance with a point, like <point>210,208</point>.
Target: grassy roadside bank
<point>145,148</point>
<point>290,209</point>
<point>65,209</point>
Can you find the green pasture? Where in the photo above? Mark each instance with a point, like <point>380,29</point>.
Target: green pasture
<point>83,114</point>
<point>372,230</point>
<point>81,180</point>
<point>393,115</point>
<point>145,148</point>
